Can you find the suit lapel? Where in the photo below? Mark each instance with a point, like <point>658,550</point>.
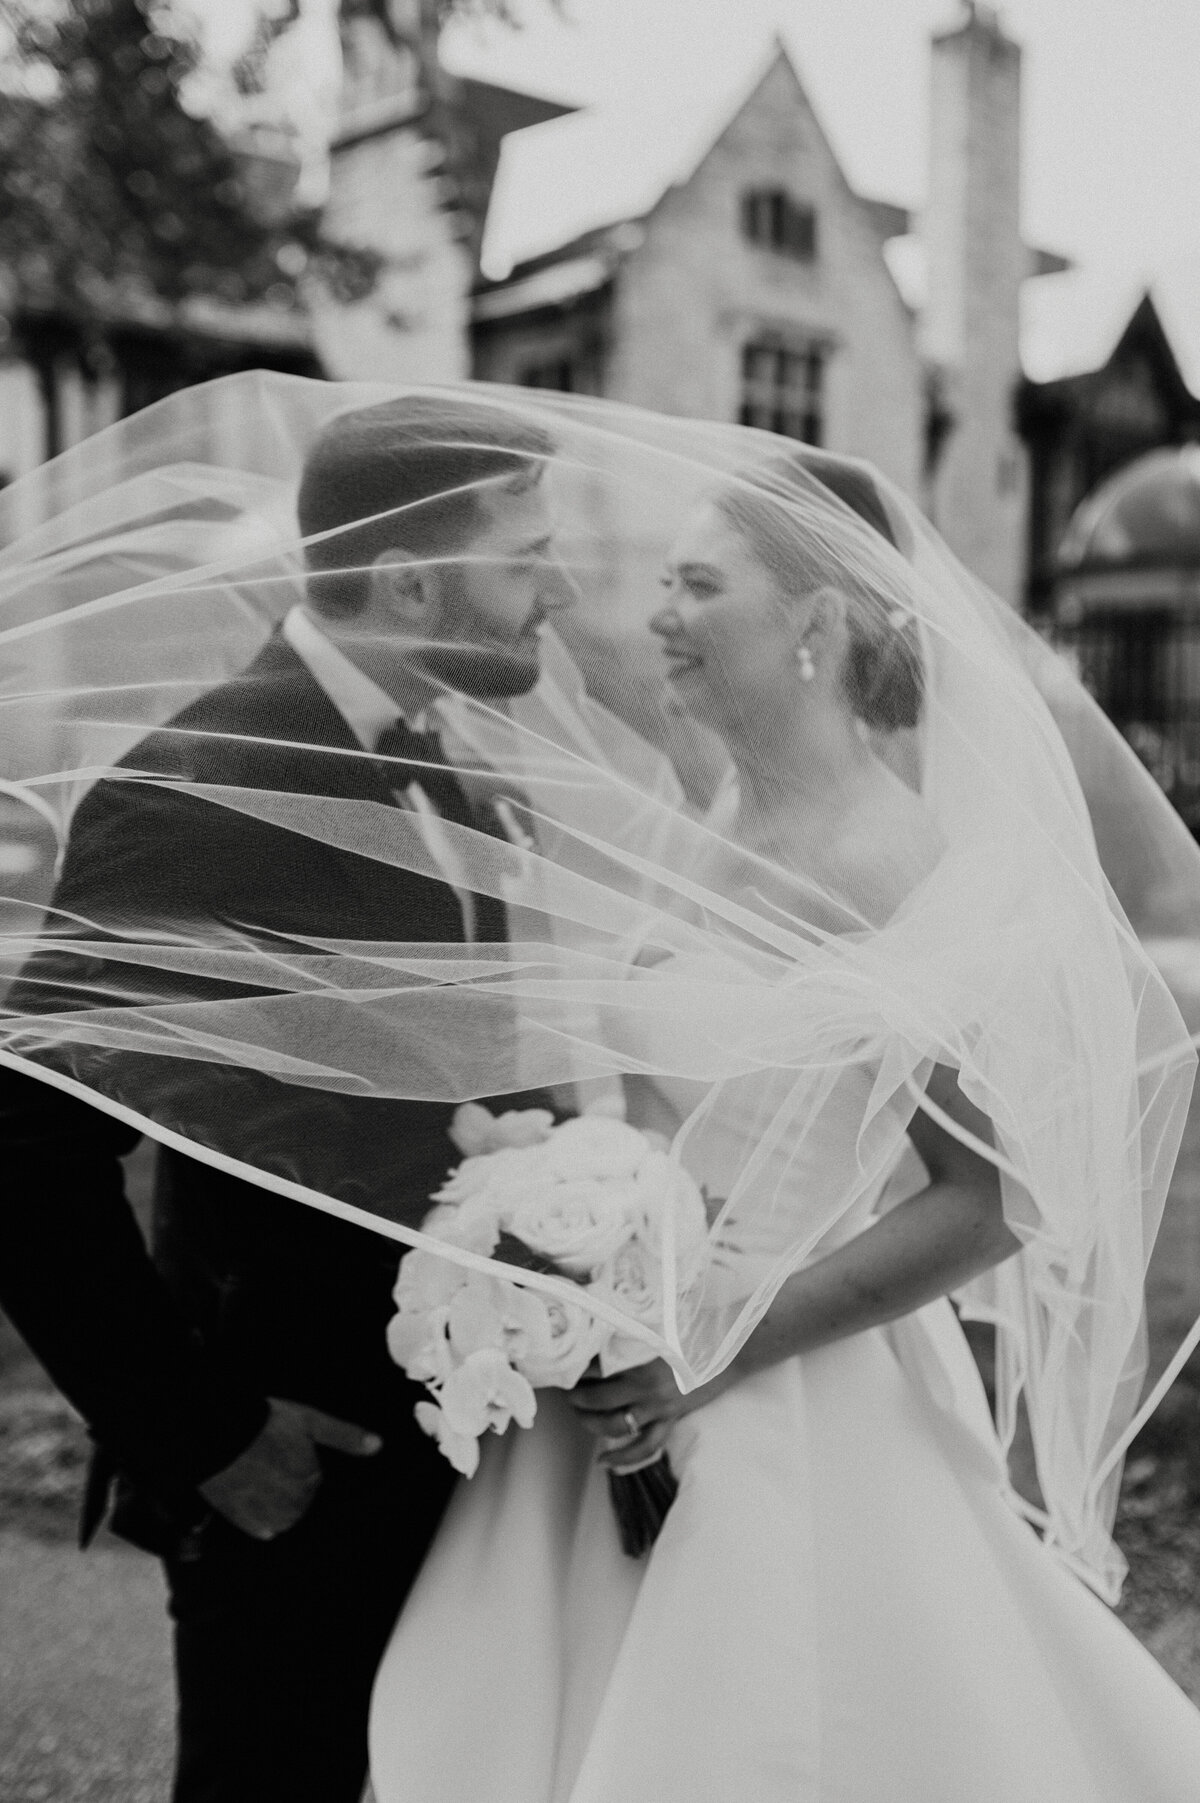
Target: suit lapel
<point>280,700</point>
<point>283,701</point>
<point>311,749</point>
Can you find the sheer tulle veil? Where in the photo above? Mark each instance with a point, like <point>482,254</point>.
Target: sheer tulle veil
<point>645,938</point>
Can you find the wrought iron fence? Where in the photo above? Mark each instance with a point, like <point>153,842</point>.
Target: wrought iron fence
<point>1144,670</point>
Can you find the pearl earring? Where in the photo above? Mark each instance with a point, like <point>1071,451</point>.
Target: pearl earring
<point>804,659</point>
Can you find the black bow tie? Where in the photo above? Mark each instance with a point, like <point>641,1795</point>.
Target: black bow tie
<point>400,740</point>
<point>425,756</point>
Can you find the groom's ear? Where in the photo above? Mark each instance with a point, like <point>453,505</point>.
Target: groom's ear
<point>402,588</point>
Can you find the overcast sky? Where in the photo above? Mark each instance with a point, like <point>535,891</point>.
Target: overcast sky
<point>1111,120</point>
<point>1111,117</point>
<point>1112,92</point>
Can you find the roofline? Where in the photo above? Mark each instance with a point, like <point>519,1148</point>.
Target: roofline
<point>1036,392</point>
<point>520,297</point>
<point>776,51</point>
<point>558,107</point>
<point>398,114</point>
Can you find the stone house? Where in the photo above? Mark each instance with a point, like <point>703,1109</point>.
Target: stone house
<point>718,265</point>
<point>740,278</point>
<point>726,268</point>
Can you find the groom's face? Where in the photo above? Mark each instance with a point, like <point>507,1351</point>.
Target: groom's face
<point>493,597</point>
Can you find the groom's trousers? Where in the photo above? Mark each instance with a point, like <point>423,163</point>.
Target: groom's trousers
<point>277,1642</point>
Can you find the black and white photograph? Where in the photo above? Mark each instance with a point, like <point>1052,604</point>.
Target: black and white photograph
<point>599,901</point>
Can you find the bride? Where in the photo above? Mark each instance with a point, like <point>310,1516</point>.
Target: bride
<point>843,1602</point>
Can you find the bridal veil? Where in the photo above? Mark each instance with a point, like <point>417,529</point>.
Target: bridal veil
<point>156,560</point>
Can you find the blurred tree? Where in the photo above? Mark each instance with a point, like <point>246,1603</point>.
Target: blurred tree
<point>417,22</point>
<point>122,200</point>
<point>114,192</point>
<point>250,69</point>
<point>417,25</point>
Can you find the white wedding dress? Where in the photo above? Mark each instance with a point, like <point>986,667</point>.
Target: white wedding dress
<point>842,1607</point>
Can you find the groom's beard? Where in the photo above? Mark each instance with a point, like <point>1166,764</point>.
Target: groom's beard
<point>485,672</point>
<point>475,661</point>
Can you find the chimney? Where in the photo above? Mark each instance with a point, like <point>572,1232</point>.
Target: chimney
<point>975,259</point>
<point>380,77</point>
<point>386,196</point>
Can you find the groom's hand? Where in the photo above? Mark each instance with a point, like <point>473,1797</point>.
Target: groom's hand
<point>269,1487</point>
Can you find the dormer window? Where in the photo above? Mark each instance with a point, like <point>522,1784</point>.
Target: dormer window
<point>772,219</point>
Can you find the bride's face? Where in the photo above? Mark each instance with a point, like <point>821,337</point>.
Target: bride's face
<point>728,638</point>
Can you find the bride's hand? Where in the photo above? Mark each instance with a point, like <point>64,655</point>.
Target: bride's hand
<point>632,1413</point>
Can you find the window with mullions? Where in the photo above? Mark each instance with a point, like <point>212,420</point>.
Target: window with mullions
<point>562,373</point>
<point>579,369</point>
<point>782,390</point>
<point>772,219</point>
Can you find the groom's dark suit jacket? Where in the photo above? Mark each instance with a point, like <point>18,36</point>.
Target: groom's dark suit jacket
<point>249,1294</point>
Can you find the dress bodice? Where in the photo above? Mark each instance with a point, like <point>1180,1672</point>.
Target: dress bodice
<point>796,1176</point>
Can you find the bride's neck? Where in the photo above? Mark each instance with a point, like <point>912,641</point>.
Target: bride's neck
<point>818,760</point>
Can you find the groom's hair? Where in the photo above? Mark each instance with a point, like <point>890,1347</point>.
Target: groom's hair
<point>406,475</point>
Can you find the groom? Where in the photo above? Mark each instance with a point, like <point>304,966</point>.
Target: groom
<point>236,1380</point>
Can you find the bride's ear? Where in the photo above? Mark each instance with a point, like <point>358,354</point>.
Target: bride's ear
<point>824,628</point>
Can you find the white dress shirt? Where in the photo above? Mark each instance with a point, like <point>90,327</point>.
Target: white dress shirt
<point>369,711</point>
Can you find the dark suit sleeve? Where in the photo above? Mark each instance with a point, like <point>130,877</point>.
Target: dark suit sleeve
<point>77,1282</point>
<point>75,1275</point>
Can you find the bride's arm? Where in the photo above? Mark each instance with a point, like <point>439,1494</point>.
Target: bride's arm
<point>923,1248</point>
<point>939,1239</point>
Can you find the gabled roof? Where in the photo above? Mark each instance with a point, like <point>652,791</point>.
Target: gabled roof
<point>609,165</point>
<point>904,254</point>
<point>1072,325</point>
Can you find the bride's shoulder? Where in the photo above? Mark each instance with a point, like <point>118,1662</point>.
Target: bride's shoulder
<point>891,846</point>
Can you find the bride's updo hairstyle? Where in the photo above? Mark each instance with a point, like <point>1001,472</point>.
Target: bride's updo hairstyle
<point>776,513</point>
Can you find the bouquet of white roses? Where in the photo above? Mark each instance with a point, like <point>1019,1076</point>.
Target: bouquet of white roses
<point>589,1200</point>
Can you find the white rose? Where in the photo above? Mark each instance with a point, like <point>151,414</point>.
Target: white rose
<point>475,1129</point>
<point>493,1174</point>
<point>594,1146</point>
<point>485,1392</point>
<point>632,1280</point>
<point>521,1127</point>
<point>663,1184</point>
<point>462,1450</point>
<point>578,1225</point>
<point>552,1342</point>
<point>473,1224</point>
